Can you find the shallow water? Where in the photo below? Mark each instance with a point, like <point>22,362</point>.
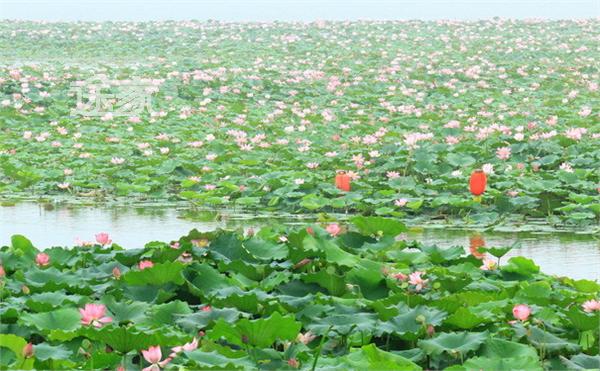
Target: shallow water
<point>567,254</point>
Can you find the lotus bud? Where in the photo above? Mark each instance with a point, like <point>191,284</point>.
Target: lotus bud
<point>28,350</point>
<point>430,330</point>
<point>301,263</point>
<point>25,290</point>
<point>293,362</point>
<point>116,272</point>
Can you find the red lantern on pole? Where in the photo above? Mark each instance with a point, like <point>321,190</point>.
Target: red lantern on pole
<point>477,182</point>
<point>342,181</point>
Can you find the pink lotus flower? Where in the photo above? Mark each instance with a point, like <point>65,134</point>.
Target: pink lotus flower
<point>416,280</point>
<point>400,276</point>
<point>333,229</point>
<point>306,337</point>
<point>103,238</point>
<point>42,259</point>
<point>153,356</point>
<point>521,312</point>
<point>94,314</point>
<point>503,153</point>
<point>206,308</point>
<point>488,265</point>
<point>187,347</point>
<point>591,306</point>
<point>145,264</point>
<point>401,202</point>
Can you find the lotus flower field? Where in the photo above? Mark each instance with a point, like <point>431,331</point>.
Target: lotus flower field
<point>367,126</point>
<point>320,297</point>
<point>263,116</point>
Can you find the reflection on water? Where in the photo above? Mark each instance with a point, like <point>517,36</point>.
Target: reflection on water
<point>568,254</point>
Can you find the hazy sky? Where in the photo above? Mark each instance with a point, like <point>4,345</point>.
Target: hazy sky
<point>300,10</point>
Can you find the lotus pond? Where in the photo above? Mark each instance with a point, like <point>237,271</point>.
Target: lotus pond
<point>322,296</point>
<point>261,115</point>
<point>557,252</point>
<point>305,273</point>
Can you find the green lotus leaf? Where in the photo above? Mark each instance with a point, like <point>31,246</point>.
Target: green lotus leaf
<point>261,332</point>
<point>503,364</point>
<point>165,314</point>
<point>411,321</point>
<point>582,362</point>
<point>228,247</point>
<point>205,280</point>
<point>497,252</point>
<point>46,301</point>
<point>333,282</point>
<point>23,246</point>
<point>102,360</point>
<point>586,286</point>
<point>202,319</point>
<point>499,348</point>
<point>439,255</point>
<point>367,275</point>
<point>369,357</point>
<point>544,339</point>
<point>46,351</point>
<point>159,274</point>
<point>66,319</point>
<point>465,319</point>
<point>274,279</point>
<point>51,279</point>
<point>536,293</point>
<point>213,359</point>
<point>375,225</point>
<point>333,253</point>
<point>126,339</point>
<point>453,343</point>
<point>521,266</point>
<point>265,250</point>
<point>246,301</point>
<point>125,311</point>
<point>344,323</point>
<point>583,321</point>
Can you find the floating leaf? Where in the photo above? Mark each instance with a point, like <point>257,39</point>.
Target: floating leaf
<point>453,343</point>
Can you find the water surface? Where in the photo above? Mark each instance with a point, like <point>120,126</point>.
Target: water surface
<point>565,254</point>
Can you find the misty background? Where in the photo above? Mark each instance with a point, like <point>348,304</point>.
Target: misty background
<point>293,10</point>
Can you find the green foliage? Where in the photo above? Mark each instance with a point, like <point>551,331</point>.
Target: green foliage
<point>345,307</point>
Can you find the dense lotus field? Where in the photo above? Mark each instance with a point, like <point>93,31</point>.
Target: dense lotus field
<point>262,115</point>
<point>356,296</point>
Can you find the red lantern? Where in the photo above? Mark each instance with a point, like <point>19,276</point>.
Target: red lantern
<point>342,181</point>
<point>477,182</point>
